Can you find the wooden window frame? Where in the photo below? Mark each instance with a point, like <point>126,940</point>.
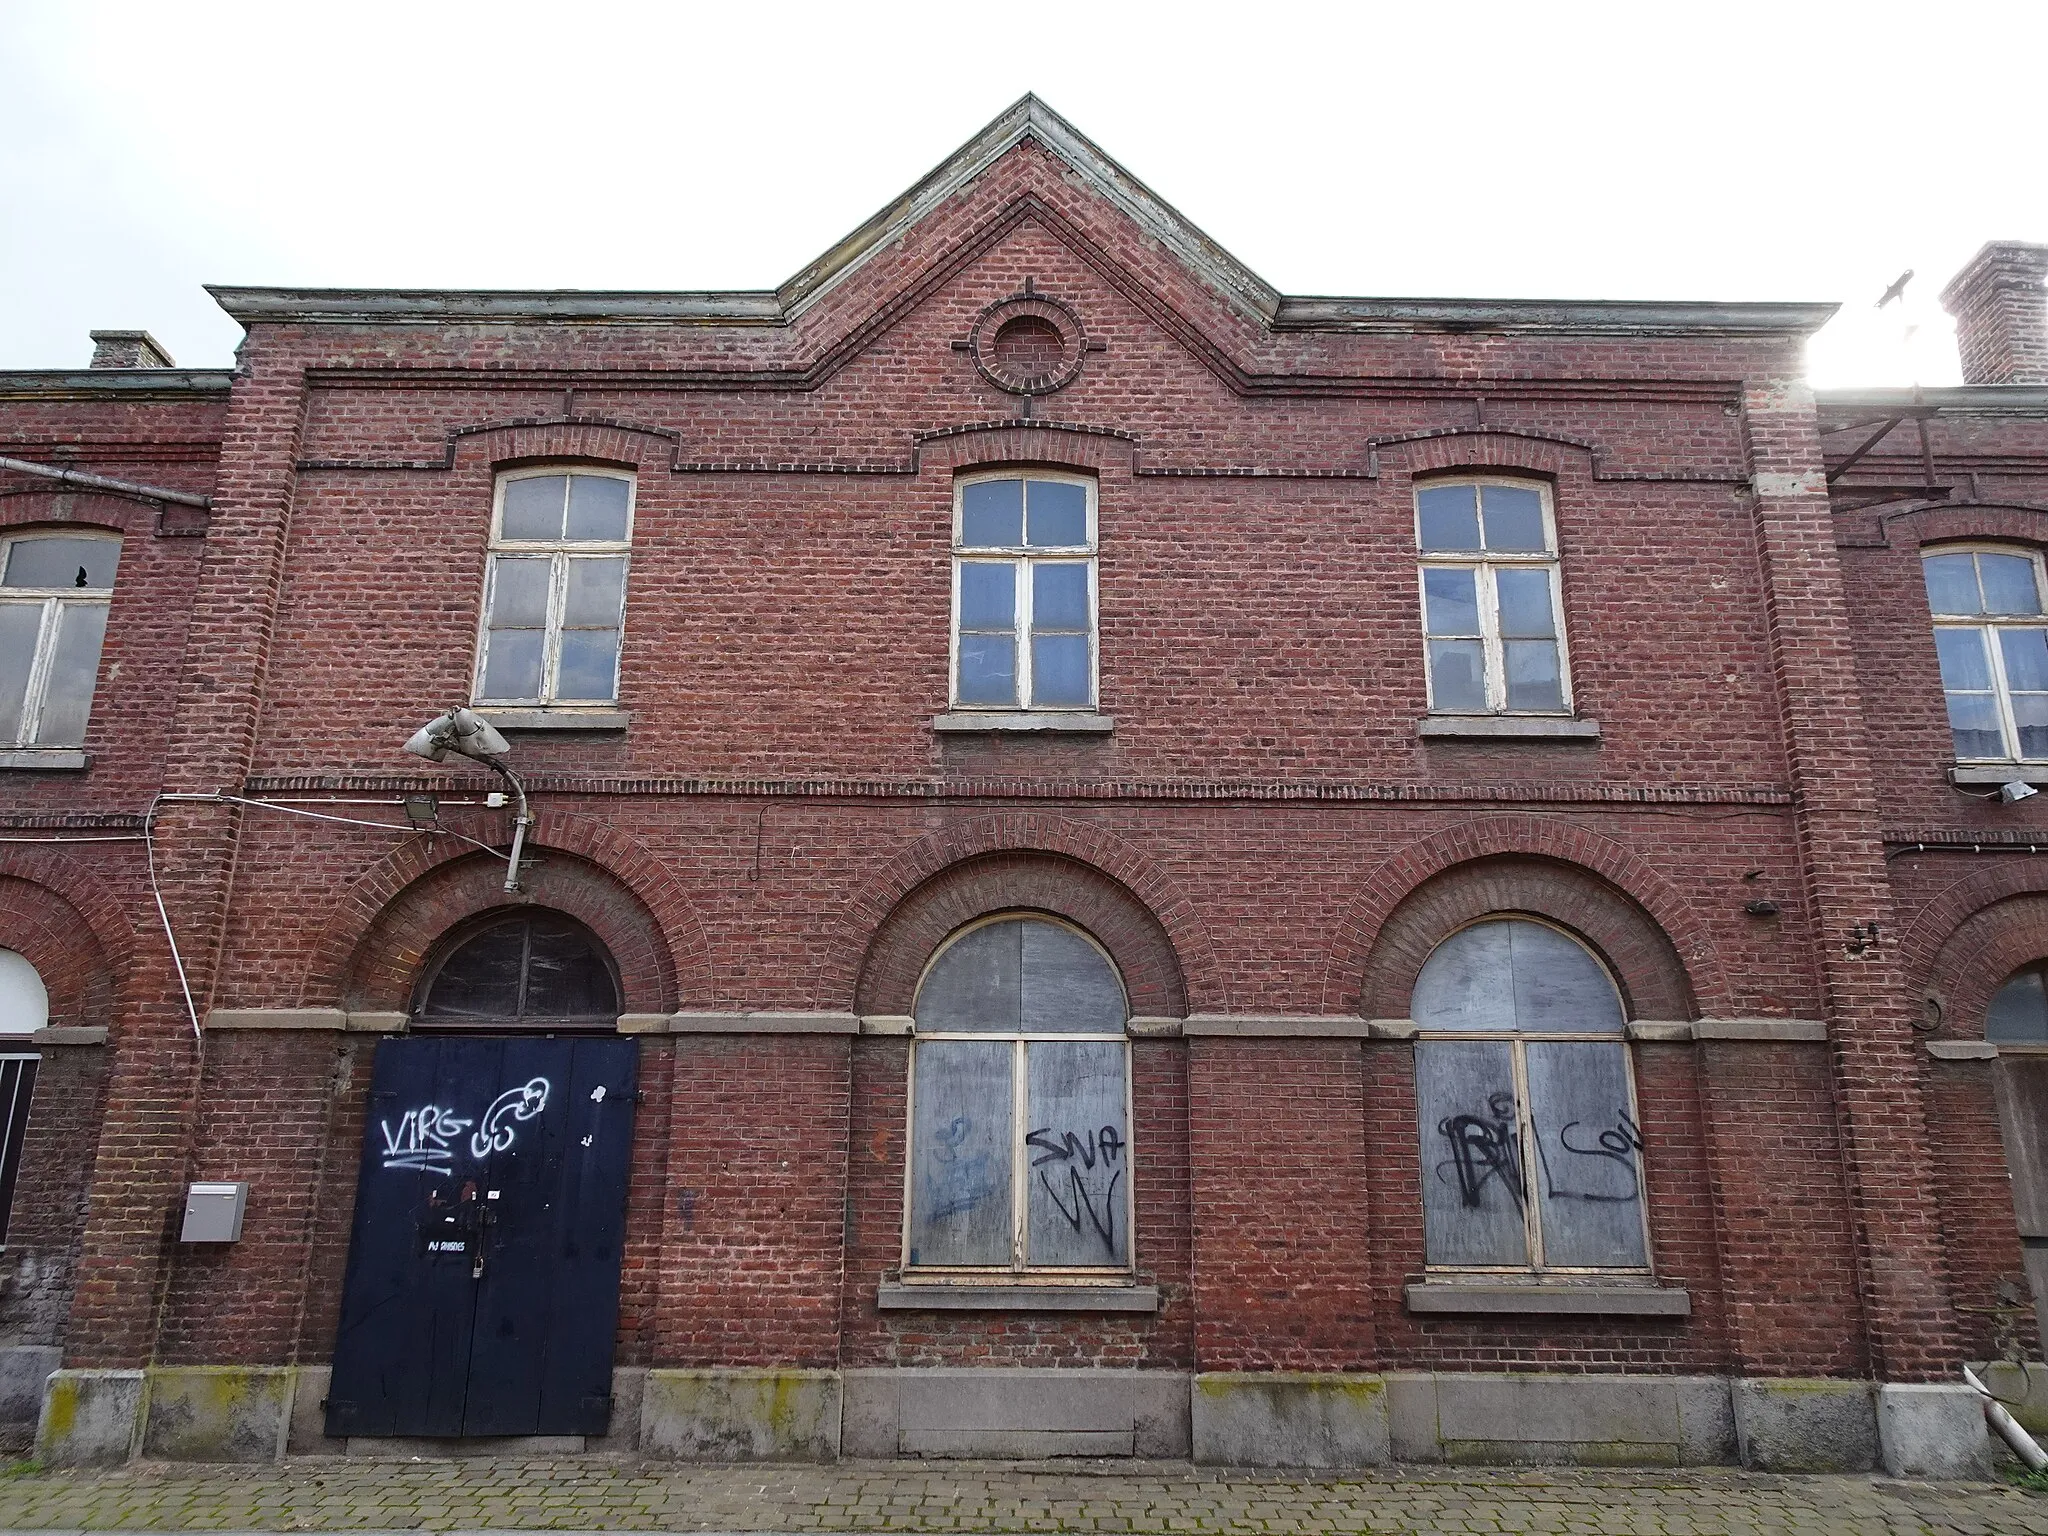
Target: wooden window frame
<point>560,552</point>
<point>1486,563</point>
<point>1022,559</point>
<point>53,601</point>
<point>1987,625</point>
<point>1020,1270</point>
<point>1525,1123</point>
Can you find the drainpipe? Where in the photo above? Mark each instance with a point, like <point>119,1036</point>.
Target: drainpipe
<point>2009,1430</point>
<point>101,483</point>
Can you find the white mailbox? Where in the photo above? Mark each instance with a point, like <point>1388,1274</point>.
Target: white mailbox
<point>213,1213</point>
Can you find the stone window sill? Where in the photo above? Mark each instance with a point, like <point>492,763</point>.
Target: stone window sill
<point>556,719</point>
<point>1998,773</point>
<point>59,1034</point>
<point>45,759</point>
<point>1553,1299</point>
<point>1513,727</point>
<point>1063,722</point>
<point>895,1296</point>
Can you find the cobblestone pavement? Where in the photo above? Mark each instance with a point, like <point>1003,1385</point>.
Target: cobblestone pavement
<point>616,1495</point>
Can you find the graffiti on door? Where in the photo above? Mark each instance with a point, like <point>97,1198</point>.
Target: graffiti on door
<point>427,1138</point>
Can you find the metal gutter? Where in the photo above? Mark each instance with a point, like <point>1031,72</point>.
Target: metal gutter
<point>101,483</point>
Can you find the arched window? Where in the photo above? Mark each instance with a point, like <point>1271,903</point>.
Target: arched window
<point>54,592</point>
<point>2018,1015</point>
<point>1020,1105</point>
<point>24,1009</point>
<point>1992,639</point>
<point>1531,1153</point>
<point>530,970</point>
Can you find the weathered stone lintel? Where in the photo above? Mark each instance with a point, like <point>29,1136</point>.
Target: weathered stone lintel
<point>359,1022</point>
<point>59,1034</point>
<point>1770,1031</point>
<point>1512,727</point>
<point>898,1297</point>
<point>1963,1050</point>
<point>1558,1299</point>
<point>1078,722</point>
<point>1304,1026</point>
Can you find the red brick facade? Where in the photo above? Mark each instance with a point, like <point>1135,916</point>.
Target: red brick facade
<point>1265,843</point>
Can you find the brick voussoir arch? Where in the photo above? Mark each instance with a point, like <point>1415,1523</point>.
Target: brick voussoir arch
<point>1399,876</point>
<point>1023,832</point>
<point>1984,950</point>
<point>65,919</point>
<point>1924,952</point>
<point>685,959</point>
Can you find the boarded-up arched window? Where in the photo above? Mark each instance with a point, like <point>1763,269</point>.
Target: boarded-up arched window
<point>1531,1151</point>
<point>1020,1104</point>
<point>530,970</point>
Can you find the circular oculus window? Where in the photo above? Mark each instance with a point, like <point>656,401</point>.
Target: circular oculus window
<point>1028,345</point>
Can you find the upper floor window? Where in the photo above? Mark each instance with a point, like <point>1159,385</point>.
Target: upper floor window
<point>1024,592</point>
<point>555,592</point>
<point>1531,1152</point>
<point>54,591</point>
<point>1490,598</point>
<point>1019,1105</point>
<point>1992,638</point>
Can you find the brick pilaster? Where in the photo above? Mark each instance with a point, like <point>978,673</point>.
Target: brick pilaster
<point>1903,1271</point>
<point>145,1142</point>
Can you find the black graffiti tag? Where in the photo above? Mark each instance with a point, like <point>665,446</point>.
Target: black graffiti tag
<point>1077,1187</point>
<point>1619,1145</point>
<point>1483,1147</point>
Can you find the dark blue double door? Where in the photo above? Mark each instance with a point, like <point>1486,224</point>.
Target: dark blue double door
<point>482,1292</point>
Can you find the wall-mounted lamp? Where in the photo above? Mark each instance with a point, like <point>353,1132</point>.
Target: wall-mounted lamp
<point>2016,789</point>
<point>468,734</point>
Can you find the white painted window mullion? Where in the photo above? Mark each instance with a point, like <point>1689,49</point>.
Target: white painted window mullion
<point>1024,590</point>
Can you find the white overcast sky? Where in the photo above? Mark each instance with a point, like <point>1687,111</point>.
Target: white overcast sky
<point>1687,150</point>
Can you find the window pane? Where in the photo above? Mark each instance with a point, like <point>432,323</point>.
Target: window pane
<point>1077,1155</point>
<point>1448,516</point>
<point>1514,518</point>
<point>20,623</point>
<point>1589,1171</point>
<point>565,977</point>
<point>533,507</point>
<point>1457,675</point>
<point>1059,672</point>
<point>1467,981</point>
<point>988,669</point>
<point>1963,663</point>
<point>992,514</point>
<point>1472,1185</point>
<point>512,666</point>
<point>589,671</point>
<point>1951,584</point>
<point>2026,658</point>
<point>1059,514</point>
<point>481,979</point>
<point>74,668</point>
<point>988,594</point>
<point>62,562</point>
<point>1535,681</point>
<point>960,1145</point>
<point>2009,585</point>
<point>1059,596</point>
<point>1973,725</point>
<point>519,591</point>
<point>596,593</point>
<point>1068,984</point>
<point>597,507</point>
<point>1450,601</point>
<point>1559,986</point>
<point>2030,714</point>
<point>1524,602</point>
<point>977,982</point>
<point>2019,1014</point>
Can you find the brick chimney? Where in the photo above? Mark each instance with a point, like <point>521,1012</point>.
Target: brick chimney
<point>2001,314</point>
<point>128,349</point>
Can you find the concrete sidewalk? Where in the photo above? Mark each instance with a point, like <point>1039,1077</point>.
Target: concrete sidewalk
<point>595,1494</point>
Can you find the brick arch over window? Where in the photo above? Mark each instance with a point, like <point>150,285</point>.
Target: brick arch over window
<point>58,512</point>
<point>1678,968</point>
<point>373,943</point>
<point>1059,444</point>
<point>1030,882</point>
<point>1988,947</point>
<point>1973,523</point>
<point>569,438</point>
<point>1653,982</point>
<point>74,937</point>
<point>1024,833</point>
<point>1484,451</point>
